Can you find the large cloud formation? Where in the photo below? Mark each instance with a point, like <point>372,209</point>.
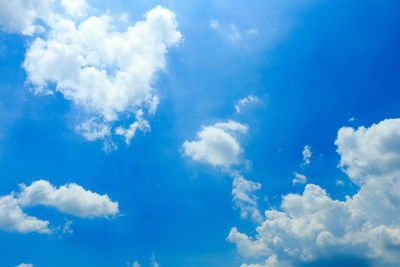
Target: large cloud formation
<point>70,198</point>
<point>105,68</point>
<point>312,226</point>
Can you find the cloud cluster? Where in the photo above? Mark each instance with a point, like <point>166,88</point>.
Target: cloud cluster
<point>106,73</point>
<point>216,145</point>
<point>105,69</point>
<point>70,198</point>
<point>312,226</point>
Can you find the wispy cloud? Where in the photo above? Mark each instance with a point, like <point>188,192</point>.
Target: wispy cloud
<point>244,102</point>
<point>306,154</point>
<point>231,31</point>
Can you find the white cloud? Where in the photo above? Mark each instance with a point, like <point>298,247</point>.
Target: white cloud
<point>244,197</point>
<point>75,8</point>
<point>242,103</point>
<point>231,31</point>
<point>339,182</point>
<point>214,24</point>
<point>154,263</point>
<point>306,154</point>
<point>232,126</point>
<point>25,265</point>
<point>67,227</point>
<point>234,33</point>
<point>136,264</point>
<point>106,73</point>
<point>129,133</point>
<point>252,31</point>
<point>92,130</point>
<point>22,16</point>
<point>272,261</point>
<point>12,218</point>
<point>70,198</point>
<point>216,145</point>
<point>299,179</point>
<point>313,226</point>
<point>247,246</point>
<point>373,151</point>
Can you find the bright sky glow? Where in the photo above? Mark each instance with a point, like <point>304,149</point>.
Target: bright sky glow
<point>199,133</point>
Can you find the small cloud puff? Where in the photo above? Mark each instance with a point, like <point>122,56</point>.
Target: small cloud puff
<point>216,144</point>
<point>242,103</point>
<point>339,182</point>
<point>306,154</point>
<point>299,179</point>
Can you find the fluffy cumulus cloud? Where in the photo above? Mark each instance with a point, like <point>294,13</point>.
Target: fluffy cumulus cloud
<point>70,199</point>
<point>24,16</point>
<point>106,73</point>
<point>216,144</point>
<point>75,8</point>
<point>12,218</point>
<point>105,69</point>
<point>370,152</point>
<point>242,103</point>
<point>312,226</point>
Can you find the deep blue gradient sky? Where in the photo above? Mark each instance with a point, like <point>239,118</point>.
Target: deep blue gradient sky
<point>314,65</point>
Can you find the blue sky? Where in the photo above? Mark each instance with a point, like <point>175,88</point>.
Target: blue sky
<point>121,179</point>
